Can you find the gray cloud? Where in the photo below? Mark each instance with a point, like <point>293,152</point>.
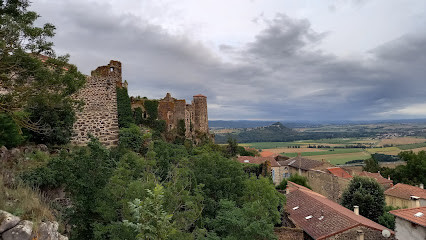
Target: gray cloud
<point>281,74</point>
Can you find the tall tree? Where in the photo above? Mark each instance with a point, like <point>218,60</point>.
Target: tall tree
<point>26,74</point>
<point>367,194</point>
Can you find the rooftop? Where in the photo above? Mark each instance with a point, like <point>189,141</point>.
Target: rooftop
<point>320,217</point>
<point>414,215</point>
<point>267,154</point>
<point>258,160</point>
<point>339,172</point>
<point>302,163</point>
<point>376,176</point>
<point>405,191</point>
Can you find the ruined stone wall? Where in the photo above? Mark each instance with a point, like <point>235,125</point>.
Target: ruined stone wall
<point>99,115</point>
<point>326,184</point>
<point>189,120</point>
<point>201,120</point>
<point>285,233</point>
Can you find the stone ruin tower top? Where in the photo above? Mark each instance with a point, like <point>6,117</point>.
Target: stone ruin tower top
<point>110,71</point>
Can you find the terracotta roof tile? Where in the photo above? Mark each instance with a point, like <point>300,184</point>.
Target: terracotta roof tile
<point>266,154</point>
<point>258,160</point>
<point>376,176</point>
<point>404,191</point>
<point>327,217</point>
<point>414,215</point>
<point>339,172</point>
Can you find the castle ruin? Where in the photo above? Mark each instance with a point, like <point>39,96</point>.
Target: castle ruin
<point>99,116</point>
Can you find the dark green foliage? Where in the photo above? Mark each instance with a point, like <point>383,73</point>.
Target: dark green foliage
<point>367,194</point>
<point>151,107</point>
<point>253,169</point>
<point>222,178</point>
<point>232,147</point>
<point>55,115</point>
<point>380,157</point>
<point>124,108</point>
<point>168,155</point>
<point>371,165</point>
<point>137,116</point>
<point>131,138</point>
<point>35,84</point>
<point>412,173</point>
<point>243,152</point>
<point>387,219</point>
<point>10,134</point>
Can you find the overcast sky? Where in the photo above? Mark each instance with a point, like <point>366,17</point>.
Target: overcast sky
<point>257,59</point>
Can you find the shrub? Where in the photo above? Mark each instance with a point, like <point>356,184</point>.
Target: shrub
<point>10,134</point>
<point>131,138</point>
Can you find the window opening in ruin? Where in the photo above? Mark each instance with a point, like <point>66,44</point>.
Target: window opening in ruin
<point>111,69</point>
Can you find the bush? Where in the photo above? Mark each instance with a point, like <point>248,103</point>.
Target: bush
<point>10,134</point>
<point>131,138</point>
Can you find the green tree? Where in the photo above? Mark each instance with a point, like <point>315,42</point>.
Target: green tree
<point>367,194</point>
<point>131,138</point>
<point>371,165</point>
<point>248,222</point>
<point>152,221</point>
<point>232,147</point>
<point>387,219</point>
<point>137,115</point>
<point>26,74</point>
<point>124,108</point>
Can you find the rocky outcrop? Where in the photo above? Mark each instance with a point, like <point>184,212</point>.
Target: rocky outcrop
<point>12,228</point>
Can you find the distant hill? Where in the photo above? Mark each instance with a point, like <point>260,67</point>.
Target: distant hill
<point>277,132</point>
<point>238,124</point>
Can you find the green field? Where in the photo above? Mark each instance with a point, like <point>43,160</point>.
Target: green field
<point>335,140</point>
<point>411,146</point>
<point>342,159</point>
<point>332,151</point>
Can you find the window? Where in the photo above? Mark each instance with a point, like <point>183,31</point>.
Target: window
<point>111,69</point>
<point>273,174</point>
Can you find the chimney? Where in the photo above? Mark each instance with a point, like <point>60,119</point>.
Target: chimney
<point>356,210</point>
<point>360,234</point>
<point>323,160</point>
<point>299,154</point>
<point>388,177</point>
<point>422,186</point>
<point>287,191</point>
<point>415,201</point>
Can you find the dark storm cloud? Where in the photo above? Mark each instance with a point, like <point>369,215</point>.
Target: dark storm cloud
<point>282,74</point>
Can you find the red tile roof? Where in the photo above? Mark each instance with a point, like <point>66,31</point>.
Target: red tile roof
<point>302,163</point>
<point>320,217</point>
<point>414,215</point>
<point>258,160</point>
<point>266,154</point>
<point>376,176</point>
<point>336,171</point>
<point>404,191</point>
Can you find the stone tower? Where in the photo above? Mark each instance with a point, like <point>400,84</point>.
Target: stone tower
<point>99,116</point>
<point>201,120</point>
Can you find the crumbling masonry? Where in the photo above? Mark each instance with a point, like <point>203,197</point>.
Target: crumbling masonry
<point>99,116</point>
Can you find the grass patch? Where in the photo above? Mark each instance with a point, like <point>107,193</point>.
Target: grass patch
<point>337,159</point>
<point>411,146</point>
<point>24,202</point>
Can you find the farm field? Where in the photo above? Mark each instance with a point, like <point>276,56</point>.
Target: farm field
<point>341,158</point>
<point>324,152</point>
<point>341,155</point>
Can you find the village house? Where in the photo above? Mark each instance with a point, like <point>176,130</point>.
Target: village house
<point>301,166</point>
<point>405,196</point>
<point>339,172</point>
<point>410,223</point>
<point>321,218</point>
